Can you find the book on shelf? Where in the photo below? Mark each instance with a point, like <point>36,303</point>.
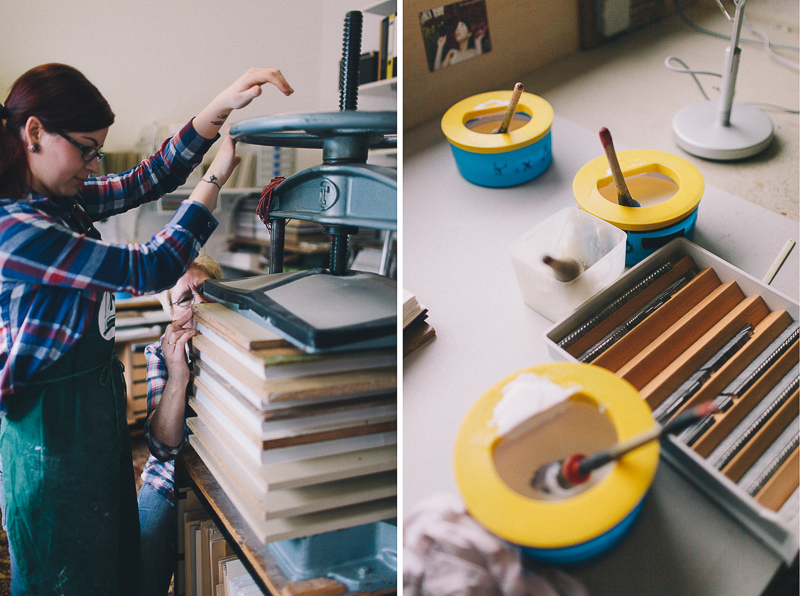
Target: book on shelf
<point>387,54</point>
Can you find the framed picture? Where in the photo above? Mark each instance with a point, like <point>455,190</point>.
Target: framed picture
<point>454,33</point>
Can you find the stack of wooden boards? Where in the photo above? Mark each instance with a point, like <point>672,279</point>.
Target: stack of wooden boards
<point>681,337</point>
<point>300,443</point>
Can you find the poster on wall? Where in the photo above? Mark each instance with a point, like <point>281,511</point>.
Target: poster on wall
<point>455,32</point>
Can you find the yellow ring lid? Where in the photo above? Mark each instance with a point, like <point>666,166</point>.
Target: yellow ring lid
<point>536,523</point>
<point>596,174</point>
<point>454,122</point>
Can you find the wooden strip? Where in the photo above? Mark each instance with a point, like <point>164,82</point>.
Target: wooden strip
<point>238,329</point>
<point>782,484</point>
<point>653,326</point>
<point>727,421</point>
<point>764,334</point>
<point>751,311</point>
<point>319,586</point>
<point>642,367</point>
<point>755,447</point>
<point>622,314</point>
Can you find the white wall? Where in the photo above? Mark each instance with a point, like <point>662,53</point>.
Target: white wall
<point>162,61</point>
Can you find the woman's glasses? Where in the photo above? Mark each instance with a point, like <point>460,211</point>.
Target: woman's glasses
<point>189,299</point>
<point>87,153</point>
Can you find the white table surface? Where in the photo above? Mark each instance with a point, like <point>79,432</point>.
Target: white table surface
<point>455,240</point>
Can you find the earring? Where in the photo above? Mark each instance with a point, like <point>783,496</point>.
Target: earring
<point>33,147</point>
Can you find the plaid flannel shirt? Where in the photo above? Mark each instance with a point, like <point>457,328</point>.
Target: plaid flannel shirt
<point>159,471</point>
<point>54,269</point>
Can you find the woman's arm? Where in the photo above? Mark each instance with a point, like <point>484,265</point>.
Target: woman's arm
<point>241,93</point>
<point>167,410</point>
<point>437,63</point>
<point>207,190</point>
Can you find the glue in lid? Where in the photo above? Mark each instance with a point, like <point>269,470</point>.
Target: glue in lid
<point>454,122</point>
<point>554,524</point>
<point>596,174</point>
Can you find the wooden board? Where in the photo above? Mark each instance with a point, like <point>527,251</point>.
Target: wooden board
<point>246,450</point>
<point>782,484</point>
<point>742,462</point>
<point>304,472</point>
<point>339,385</point>
<point>281,363</point>
<point>297,501</point>
<point>302,525</point>
<point>750,311</point>
<point>727,421</point>
<point>764,333</point>
<point>335,415</point>
<point>622,314</point>
<point>236,328</point>
<point>648,330</point>
<point>283,438</point>
<point>644,366</point>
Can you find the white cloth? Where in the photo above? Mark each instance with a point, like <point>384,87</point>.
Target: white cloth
<point>447,553</point>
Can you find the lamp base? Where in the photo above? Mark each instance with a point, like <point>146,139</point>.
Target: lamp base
<point>698,131</point>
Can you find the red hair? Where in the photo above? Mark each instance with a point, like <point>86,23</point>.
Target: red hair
<point>63,99</point>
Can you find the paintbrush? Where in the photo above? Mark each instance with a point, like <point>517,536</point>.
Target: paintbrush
<point>565,269</point>
<point>512,107</point>
<point>623,195</point>
<point>558,476</point>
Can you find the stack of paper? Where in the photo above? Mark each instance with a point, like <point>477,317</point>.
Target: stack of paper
<point>300,443</point>
<point>416,329</point>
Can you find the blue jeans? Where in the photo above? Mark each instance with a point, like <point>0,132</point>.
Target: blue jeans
<point>16,582</point>
<point>158,521</point>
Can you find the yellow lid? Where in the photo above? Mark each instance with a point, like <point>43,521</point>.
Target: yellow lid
<point>596,174</point>
<point>562,523</point>
<point>454,122</point>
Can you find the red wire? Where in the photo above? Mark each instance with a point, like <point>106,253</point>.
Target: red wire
<point>265,202</point>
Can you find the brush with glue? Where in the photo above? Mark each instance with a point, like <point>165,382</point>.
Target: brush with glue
<point>559,476</point>
<point>623,195</point>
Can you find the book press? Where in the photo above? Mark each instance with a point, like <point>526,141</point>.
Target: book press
<point>328,311</point>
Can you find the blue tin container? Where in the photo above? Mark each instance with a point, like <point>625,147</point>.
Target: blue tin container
<point>498,160</point>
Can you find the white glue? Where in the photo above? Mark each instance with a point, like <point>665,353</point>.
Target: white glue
<point>524,397</point>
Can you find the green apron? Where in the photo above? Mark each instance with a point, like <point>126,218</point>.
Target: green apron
<point>68,472</point>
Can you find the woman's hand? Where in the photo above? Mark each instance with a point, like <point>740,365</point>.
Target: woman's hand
<point>248,87</point>
<point>173,346</point>
<point>243,91</point>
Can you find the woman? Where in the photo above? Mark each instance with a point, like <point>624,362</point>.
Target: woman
<point>469,46</point>
<point>164,428</point>
<point>70,495</point>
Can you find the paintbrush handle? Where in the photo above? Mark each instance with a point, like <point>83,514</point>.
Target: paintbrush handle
<point>677,424</point>
<point>512,107</point>
<point>623,195</point>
